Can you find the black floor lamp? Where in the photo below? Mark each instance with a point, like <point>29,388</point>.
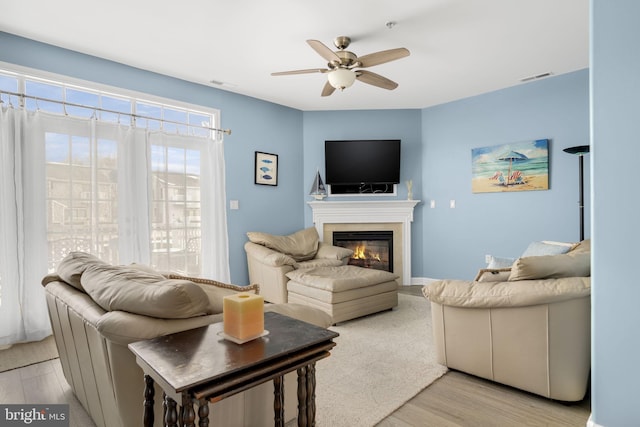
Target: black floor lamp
<point>580,151</point>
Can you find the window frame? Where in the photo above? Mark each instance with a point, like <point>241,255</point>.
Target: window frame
<point>22,74</point>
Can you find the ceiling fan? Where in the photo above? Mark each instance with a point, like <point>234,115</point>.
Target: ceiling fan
<point>344,67</point>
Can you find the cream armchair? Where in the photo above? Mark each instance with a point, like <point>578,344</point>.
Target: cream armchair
<point>271,257</point>
<point>526,327</point>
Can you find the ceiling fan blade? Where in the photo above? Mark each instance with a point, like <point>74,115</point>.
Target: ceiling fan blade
<point>327,89</point>
<point>375,80</point>
<point>308,71</point>
<point>382,57</point>
<point>324,51</point>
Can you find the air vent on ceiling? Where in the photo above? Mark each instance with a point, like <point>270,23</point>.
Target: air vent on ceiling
<point>222,84</point>
<point>536,77</point>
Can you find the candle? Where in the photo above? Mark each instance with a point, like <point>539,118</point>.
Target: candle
<point>243,315</point>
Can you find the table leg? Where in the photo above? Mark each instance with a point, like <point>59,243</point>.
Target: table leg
<point>302,397</point>
<point>311,394</point>
<point>149,391</point>
<point>278,401</point>
<point>203,413</point>
<point>188,414</point>
<point>164,407</point>
<point>307,396</point>
<point>171,414</point>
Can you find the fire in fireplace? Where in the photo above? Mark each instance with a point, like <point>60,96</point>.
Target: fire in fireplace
<point>371,249</point>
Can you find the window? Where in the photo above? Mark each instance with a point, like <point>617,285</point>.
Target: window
<point>82,203</point>
<point>108,107</point>
<point>175,190</point>
<point>83,169</point>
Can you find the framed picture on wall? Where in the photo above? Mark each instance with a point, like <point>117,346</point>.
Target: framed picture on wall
<point>518,166</point>
<point>266,169</point>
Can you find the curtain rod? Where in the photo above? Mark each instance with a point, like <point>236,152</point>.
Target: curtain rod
<point>22,96</point>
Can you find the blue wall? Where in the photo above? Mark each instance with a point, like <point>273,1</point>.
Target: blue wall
<point>374,124</point>
<point>256,126</point>
<point>615,109</point>
<point>501,224</point>
<point>436,155</point>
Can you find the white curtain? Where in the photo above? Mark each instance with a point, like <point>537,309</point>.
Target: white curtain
<point>109,208</point>
<point>23,257</point>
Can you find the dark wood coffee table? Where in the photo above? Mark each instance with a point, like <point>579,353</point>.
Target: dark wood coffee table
<point>199,366</point>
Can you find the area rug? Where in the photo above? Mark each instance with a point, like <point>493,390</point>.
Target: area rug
<point>20,355</point>
<point>379,363</point>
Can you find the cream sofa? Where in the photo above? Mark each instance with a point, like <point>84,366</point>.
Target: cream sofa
<point>97,309</point>
<point>271,257</point>
<point>527,326</point>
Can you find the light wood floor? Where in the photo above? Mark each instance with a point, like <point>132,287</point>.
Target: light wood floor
<point>42,383</point>
<point>455,400</point>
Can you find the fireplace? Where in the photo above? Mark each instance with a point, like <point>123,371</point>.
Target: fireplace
<point>371,249</point>
<point>392,215</point>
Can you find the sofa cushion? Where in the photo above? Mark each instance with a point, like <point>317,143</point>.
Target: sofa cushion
<point>142,292</point>
<point>124,328</point>
<point>572,264</point>
<point>277,259</point>
<point>267,256</point>
<point>318,262</point>
<point>73,265</point>
<point>328,251</point>
<point>340,279</point>
<point>462,293</point>
<point>301,245</point>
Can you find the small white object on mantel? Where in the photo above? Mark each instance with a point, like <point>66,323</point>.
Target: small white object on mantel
<point>369,211</point>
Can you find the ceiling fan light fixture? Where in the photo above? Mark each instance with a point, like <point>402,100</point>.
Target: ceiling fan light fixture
<point>341,78</point>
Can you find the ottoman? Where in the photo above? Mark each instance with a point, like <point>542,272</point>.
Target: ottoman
<point>344,292</point>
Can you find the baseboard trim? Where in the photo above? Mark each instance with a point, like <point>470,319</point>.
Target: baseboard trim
<point>421,281</point>
<point>591,423</point>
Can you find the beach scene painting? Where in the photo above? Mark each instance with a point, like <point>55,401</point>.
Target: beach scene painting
<point>518,166</point>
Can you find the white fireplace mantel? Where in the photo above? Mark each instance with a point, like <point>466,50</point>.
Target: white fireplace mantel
<point>372,211</point>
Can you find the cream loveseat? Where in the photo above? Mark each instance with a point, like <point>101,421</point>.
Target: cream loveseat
<point>527,326</point>
<point>97,309</point>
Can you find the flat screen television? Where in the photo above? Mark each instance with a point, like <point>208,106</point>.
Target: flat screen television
<point>356,162</point>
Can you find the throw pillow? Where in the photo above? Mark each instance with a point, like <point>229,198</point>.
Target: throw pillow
<point>140,292</point>
<point>493,275</point>
<point>584,246</point>
<point>301,245</point>
<point>500,262</point>
<point>546,248</point>
<point>552,266</point>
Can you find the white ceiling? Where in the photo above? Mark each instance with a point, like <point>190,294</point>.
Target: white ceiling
<point>459,48</point>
